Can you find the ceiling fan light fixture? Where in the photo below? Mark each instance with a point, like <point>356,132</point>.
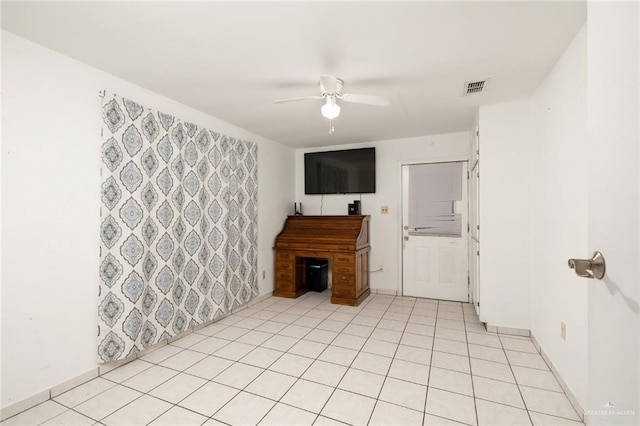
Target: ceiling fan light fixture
<point>330,109</point>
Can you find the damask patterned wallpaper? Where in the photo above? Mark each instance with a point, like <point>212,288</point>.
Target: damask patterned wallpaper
<point>179,227</point>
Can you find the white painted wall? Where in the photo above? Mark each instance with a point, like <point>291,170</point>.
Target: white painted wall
<point>385,229</point>
<point>560,200</point>
<point>51,185</point>
<point>505,214</point>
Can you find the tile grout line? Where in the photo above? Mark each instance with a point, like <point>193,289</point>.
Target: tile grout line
<point>473,386</point>
<point>317,415</point>
<point>165,344</point>
<point>451,353</point>
<point>515,380</point>
<point>426,397</point>
<point>524,402</point>
<point>302,305</point>
<point>348,367</point>
<point>502,381</point>
<point>297,378</point>
<point>449,391</point>
<point>384,381</point>
<point>211,417</point>
<point>285,352</point>
<point>373,328</point>
<point>184,372</point>
<point>235,361</point>
<point>535,387</point>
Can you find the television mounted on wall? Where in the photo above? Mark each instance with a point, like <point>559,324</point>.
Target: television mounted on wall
<point>349,171</point>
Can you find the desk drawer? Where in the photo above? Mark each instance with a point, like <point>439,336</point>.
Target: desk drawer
<point>284,256</point>
<point>344,269</point>
<point>343,290</point>
<point>344,279</point>
<point>284,285</point>
<point>344,258</point>
<point>284,275</point>
<point>284,266</point>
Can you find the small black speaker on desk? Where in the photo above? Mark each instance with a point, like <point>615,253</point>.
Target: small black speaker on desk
<point>354,208</point>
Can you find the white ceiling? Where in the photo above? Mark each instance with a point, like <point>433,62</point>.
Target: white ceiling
<point>232,59</point>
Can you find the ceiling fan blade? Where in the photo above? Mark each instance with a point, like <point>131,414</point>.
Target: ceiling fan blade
<point>365,99</point>
<point>329,83</point>
<point>303,98</point>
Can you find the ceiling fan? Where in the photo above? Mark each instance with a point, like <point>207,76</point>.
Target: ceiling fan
<point>331,90</point>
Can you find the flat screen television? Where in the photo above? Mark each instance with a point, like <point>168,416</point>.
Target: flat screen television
<point>350,171</point>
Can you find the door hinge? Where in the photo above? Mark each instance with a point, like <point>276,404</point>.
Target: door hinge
<point>467,175</point>
<point>477,132</point>
<point>468,228</point>
<point>468,279</point>
<point>478,253</point>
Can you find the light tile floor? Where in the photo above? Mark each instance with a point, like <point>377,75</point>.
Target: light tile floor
<point>390,361</point>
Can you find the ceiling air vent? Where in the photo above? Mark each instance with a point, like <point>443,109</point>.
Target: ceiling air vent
<point>472,87</point>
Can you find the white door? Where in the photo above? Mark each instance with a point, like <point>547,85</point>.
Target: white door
<point>614,302</point>
<point>435,243</point>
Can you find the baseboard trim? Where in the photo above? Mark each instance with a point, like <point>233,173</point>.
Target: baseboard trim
<point>75,382</point>
<point>572,399</point>
<point>383,291</point>
<point>25,404</point>
<point>101,369</point>
<point>259,299</point>
<point>508,330</point>
<point>40,397</point>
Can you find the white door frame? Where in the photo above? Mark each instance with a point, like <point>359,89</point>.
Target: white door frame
<point>430,160</point>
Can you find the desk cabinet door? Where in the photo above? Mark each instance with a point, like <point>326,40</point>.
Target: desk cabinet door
<point>344,286</point>
<point>362,266</point>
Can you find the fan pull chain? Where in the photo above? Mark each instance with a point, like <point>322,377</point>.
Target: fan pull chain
<point>331,128</point>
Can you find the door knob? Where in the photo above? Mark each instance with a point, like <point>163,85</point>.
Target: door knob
<point>406,238</point>
<point>589,268</point>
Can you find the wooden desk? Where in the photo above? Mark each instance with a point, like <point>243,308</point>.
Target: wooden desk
<point>343,240</point>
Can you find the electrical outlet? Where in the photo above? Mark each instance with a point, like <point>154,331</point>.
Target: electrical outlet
<point>563,331</point>
<point>264,275</point>
<point>384,209</point>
